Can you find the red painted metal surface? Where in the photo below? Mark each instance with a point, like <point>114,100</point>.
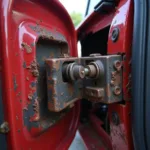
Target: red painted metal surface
<point>93,23</point>
<point>91,138</point>
<point>122,18</point>
<point>121,134</point>
<point>16,19</point>
<point>96,124</point>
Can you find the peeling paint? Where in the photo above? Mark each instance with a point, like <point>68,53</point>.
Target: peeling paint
<point>24,64</point>
<point>26,47</point>
<point>15,83</point>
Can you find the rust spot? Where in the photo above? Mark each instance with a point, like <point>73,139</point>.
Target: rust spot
<point>34,68</point>
<point>15,83</point>
<point>36,105</point>
<point>26,47</point>
<point>56,65</point>
<point>70,89</point>
<point>30,96</point>
<point>24,64</point>
<point>18,94</point>
<point>25,108</point>
<point>115,78</point>
<point>36,109</point>
<point>33,86</point>
<point>54,105</point>
<point>44,33</point>
<point>35,73</point>
<point>28,67</point>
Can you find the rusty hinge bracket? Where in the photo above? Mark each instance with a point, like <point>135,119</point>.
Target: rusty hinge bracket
<point>96,78</point>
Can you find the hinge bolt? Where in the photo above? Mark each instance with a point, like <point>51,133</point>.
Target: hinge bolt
<point>115,34</point>
<point>117,90</point>
<point>118,65</point>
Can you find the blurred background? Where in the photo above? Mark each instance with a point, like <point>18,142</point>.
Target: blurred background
<point>76,9</point>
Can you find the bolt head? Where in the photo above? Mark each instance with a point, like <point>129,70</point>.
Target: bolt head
<point>115,34</point>
<point>117,90</point>
<point>118,65</point>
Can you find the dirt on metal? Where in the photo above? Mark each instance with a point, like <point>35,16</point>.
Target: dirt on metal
<point>26,47</point>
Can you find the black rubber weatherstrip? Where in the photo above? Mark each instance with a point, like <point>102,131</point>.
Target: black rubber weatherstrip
<point>3,143</point>
<point>147,79</point>
<point>138,73</point>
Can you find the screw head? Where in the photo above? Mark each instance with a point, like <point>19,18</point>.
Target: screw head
<point>115,34</point>
<point>117,65</point>
<point>117,90</point>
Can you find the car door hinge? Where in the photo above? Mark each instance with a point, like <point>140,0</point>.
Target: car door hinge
<point>96,78</point>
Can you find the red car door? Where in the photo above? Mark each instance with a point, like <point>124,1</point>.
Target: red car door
<point>32,31</point>
<point>39,72</point>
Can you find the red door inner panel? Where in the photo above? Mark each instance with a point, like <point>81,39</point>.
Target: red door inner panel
<point>33,31</point>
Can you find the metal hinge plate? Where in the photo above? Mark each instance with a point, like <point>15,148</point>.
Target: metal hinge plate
<point>98,79</point>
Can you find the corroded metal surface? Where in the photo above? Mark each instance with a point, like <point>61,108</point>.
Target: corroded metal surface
<point>60,93</point>
<point>103,85</point>
<point>36,114</point>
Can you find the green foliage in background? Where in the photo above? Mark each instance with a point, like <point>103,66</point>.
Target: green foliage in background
<point>76,18</point>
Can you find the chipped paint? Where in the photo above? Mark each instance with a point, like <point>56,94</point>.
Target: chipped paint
<point>15,83</point>
<point>26,47</point>
<point>24,64</point>
<point>30,96</point>
<point>34,68</point>
<point>45,33</point>
<point>38,115</point>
